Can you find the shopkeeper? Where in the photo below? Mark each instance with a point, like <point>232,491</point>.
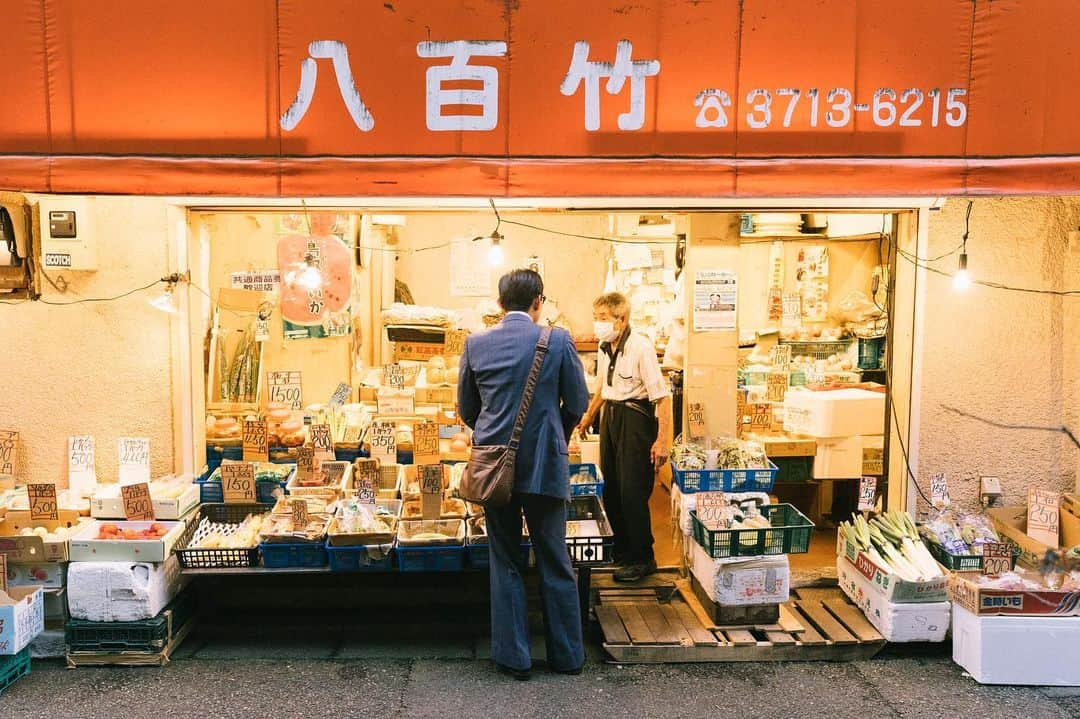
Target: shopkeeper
<point>635,424</point>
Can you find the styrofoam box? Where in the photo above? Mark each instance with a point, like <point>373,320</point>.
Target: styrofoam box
<point>838,458</point>
<point>107,504</point>
<point>122,591</point>
<point>86,547</point>
<point>834,413</point>
<point>924,622</point>
<point>1029,650</point>
<point>22,617</point>
<point>742,581</point>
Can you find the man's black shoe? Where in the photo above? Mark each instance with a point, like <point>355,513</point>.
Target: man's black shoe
<point>569,672</point>
<point>522,675</point>
<point>634,572</point>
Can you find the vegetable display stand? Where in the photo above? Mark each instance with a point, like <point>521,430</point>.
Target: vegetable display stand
<point>361,558</point>
<point>279,556</point>
<point>13,668</point>
<point>589,538</point>
<point>725,480</point>
<point>205,558</point>
<point>581,489</point>
<point>790,534</point>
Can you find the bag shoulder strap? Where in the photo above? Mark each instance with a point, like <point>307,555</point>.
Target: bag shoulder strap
<point>530,387</point>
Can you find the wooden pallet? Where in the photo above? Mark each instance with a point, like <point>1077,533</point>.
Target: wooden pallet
<point>823,626</point>
<point>132,659</point>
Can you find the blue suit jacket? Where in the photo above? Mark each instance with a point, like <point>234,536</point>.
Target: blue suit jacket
<point>492,377</point>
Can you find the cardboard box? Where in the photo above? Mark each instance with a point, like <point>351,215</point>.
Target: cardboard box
<point>983,601</point>
<point>723,614</point>
<point>785,445</point>
<point>888,584</point>
<point>1040,651</point>
<point>86,547</point>
<point>742,581</point>
<point>46,574</point>
<point>912,622</point>
<point>22,617</point>
<point>22,550</point>
<point>106,506</point>
<point>1011,525</point>
<point>839,458</point>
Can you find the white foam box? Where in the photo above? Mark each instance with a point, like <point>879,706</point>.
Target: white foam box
<point>834,413</point>
<point>107,503</point>
<point>742,581</point>
<point>47,574</point>
<point>86,547</point>
<point>1043,651</point>
<point>122,591</point>
<point>922,622</point>
<point>22,618</point>
<point>839,458</point>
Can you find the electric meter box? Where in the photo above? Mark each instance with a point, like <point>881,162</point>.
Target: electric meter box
<point>68,240</point>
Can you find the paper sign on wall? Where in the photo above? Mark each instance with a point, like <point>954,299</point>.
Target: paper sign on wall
<point>366,478</point>
<point>455,342</point>
<point>305,464</point>
<point>341,395</point>
<point>285,387</point>
<point>792,309</point>
<point>939,490</point>
<point>715,300</point>
<point>382,442</point>
<point>867,494</point>
<point>431,489</point>
<point>997,557</point>
<point>137,504</point>
<point>711,508</point>
<point>426,443</point>
<point>238,482</point>
<point>9,450</point>
<point>81,473</point>
<point>1044,516</point>
<point>255,442</point>
<point>470,270</point>
<point>695,419</point>
<point>321,442</point>
<point>134,459</point>
<point>42,501</point>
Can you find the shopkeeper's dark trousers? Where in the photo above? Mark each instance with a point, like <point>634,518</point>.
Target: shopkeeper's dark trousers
<point>626,438</point>
<point>546,518</point>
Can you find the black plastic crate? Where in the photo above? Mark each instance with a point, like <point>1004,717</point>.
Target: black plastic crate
<point>148,635</point>
<point>219,558</point>
<point>590,549</point>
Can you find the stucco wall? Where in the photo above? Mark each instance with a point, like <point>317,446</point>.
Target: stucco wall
<point>101,369</point>
<point>992,357</point>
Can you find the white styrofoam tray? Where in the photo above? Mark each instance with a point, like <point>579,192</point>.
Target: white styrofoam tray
<point>106,506</point>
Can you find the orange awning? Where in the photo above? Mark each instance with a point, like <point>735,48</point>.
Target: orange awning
<point>493,97</point>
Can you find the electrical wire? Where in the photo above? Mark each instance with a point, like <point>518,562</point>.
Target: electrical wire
<point>86,300</point>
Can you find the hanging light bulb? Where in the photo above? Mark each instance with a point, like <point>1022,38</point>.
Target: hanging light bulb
<point>495,252</point>
<point>165,301</point>
<point>962,279</point>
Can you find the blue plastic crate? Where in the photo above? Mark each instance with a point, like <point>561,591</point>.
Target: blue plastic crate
<point>216,453</point>
<point>361,558</point>
<point>431,559</point>
<point>280,556</point>
<point>13,668</point>
<point>583,489</point>
<point>479,555</point>
<point>210,492</point>
<point>725,480</point>
<point>351,453</point>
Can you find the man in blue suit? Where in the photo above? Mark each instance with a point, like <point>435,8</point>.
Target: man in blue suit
<point>494,368</point>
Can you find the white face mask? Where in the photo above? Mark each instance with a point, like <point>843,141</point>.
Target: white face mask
<point>604,331</point>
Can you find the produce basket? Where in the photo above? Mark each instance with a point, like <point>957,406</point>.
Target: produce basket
<point>337,538</point>
<point>790,534</point>
<point>589,538</point>
<point>725,480</point>
<point>583,488</point>
<point>817,350</point>
<point>338,475</point>
<point>280,531</point>
<point>210,491</point>
<point>13,668</point>
<point>144,636</point>
<point>199,558</point>
<point>279,555</point>
<point>361,558</point>
<point>450,509</point>
<point>427,553</point>
<point>389,481</point>
<point>961,562</point>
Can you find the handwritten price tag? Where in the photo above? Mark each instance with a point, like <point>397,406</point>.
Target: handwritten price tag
<point>137,504</point>
<point>81,474</point>
<point>238,482</point>
<point>711,509</point>
<point>134,459</point>
<point>454,343</point>
<point>320,440</point>
<point>9,449</point>
<point>997,558</point>
<point>1044,516</point>
<point>939,490</point>
<point>42,501</point>
<point>426,443</point>
<point>394,376</point>
<point>431,488</point>
<point>285,387</point>
<point>776,384</point>
<point>341,395</point>
<point>305,465</point>
<point>867,494</point>
<point>695,418</point>
<point>366,473</point>
<point>382,442</point>
<point>299,510</point>
<point>781,356</point>
<point>256,447</point>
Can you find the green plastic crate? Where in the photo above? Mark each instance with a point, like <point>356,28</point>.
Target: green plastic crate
<point>960,562</point>
<point>793,469</point>
<point>148,635</point>
<point>13,668</point>
<point>790,534</point>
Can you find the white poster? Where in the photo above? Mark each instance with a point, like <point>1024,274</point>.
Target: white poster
<point>715,299</point>
<point>470,270</point>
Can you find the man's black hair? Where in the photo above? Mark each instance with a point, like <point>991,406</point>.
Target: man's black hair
<point>518,290</point>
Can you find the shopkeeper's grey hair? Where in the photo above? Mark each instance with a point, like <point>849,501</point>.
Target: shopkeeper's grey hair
<point>519,289</point>
<point>615,303</point>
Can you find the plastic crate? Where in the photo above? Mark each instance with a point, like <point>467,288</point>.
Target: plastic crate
<point>595,549</point>
<point>961,562</point>
<point>596,487</point>
<point>216,453</point>
<point>431,559</point>
<point>218,558</point>
<point>210,492</point>
<point>794,469</point>
<point>361,558</point>
<point>349,453</point>
<point>790,534</point>
<point>725,480</point>
<point>281,556</point>
<point>817,350</point>
<point>479,555</point>
<point>13,668</point>
<point>871,352</point>
<point>148,635</point>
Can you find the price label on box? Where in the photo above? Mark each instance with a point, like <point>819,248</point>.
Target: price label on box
<point>134,459</point>
<point>997,558</point>
<point>431,489</point>
<point>394,376</point>
<point>1044,516</point>
<point>137,504</point>
<point>286,388</point>
<point>299,510</point>
<point>238,482</point>
<point>867,494</point>
<point>426,443</point>
<point>256,447</point>
<point>366,477</point>
<point>9,449</point>
<point>321,441</point>
<point>939,490</point>
<point>455,342</point>
<point>42,501</point>
<point>711,508</point>
<point>341,395</point>
<point>382,442</point>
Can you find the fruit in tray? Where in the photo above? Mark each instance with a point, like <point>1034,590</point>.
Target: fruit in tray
<point>112,531</point>
<point>222,535</point>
